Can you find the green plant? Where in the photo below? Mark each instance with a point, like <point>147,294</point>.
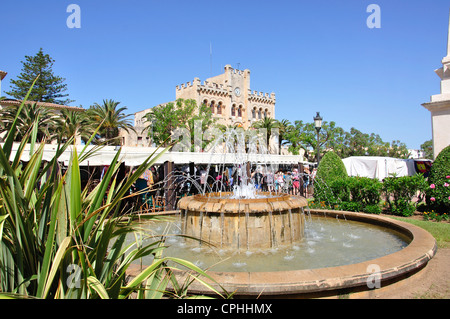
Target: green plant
<point>438,192</point>
<point>50,226</point>
<point>331,169</point>
<point>351,206</point>
<point>358,194</point>
<point>372,209</point>
<point>400,192</point>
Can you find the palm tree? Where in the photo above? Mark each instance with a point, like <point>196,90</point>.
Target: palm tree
<point>75,123</point>
<point>46,119</point>
<point>112,119</point>
<point>283,127</point>
<point>268,124</point>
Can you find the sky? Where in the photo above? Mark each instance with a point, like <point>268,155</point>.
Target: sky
<point>317,56</point>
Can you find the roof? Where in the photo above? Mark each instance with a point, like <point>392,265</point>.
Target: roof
<point>7,102</point>
<point>2,74</point>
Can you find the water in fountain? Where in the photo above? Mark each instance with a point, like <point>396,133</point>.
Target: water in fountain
<point>250,227</point>
<point>240,215</point>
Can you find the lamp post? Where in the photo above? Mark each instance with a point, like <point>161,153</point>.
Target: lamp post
<point>318,125</point>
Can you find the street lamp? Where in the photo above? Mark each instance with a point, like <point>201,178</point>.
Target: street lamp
<point>318,125</point>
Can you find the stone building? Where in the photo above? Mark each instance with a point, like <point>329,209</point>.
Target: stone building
<point>439,106</point>
<point>229,96</point>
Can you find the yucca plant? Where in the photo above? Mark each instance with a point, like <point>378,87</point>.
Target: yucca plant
<point>61,241</point>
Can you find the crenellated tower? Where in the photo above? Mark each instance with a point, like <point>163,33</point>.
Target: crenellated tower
<point>230,97</point>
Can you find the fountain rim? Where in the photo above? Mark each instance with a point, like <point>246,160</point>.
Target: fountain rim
<point>218,203</point>
<point>219,196</point>
<point>393,267</point>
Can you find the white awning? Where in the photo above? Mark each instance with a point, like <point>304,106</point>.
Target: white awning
<point>134,156</point>
<point>378,167</point>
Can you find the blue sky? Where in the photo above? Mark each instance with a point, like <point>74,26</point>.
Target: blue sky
<point>315,55</point>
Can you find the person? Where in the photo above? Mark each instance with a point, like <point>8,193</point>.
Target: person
<point>148,176</point>
<point>279,182</point>
<point>288,183</point>
<point>306,181</point>
<point>257,180</point>
<point>269,181</point>
<point>295,181</point>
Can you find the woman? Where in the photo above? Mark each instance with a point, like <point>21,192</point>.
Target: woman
<point>295,181</point>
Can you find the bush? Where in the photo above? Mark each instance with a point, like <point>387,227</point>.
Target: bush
<point>331,169</point>
<point>438,192</point>
<point>400,191</point>
<point>358,194</point>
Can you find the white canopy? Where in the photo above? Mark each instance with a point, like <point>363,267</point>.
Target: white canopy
<point>134,156</point>
<point>378,167</point>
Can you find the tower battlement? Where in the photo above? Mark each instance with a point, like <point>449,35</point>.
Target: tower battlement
<point>261,97</point>
<point>230,97</point>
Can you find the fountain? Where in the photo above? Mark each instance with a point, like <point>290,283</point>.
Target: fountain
<point>244,218</point>
<point>271,244</point>
<point>234,223</point>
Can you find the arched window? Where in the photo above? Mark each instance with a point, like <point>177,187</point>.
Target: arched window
<point>254,113</point>
<point>240,111</point>
<point>233,110</point>
<point>266,113</point>
<point>260,114</point>
<point>219,108</point>
<point>212,106</point>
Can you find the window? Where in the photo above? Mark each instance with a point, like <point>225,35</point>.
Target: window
<point>219,108</point>
<point>212,107</point>
<point>233,110</point>
<point>254,113</point>
<point>240,111</point>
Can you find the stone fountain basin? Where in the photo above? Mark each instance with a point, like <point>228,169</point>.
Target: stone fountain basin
<point>220,202</point>
<point>268,221</point>
<point>393,268</point>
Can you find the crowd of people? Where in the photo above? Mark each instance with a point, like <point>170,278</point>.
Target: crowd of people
<point>285,181</point>
<point>289,181</point>
<point>186,180</point>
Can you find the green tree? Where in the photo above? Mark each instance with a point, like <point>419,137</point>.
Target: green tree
<point>46,120</point>
<point>112,118</point>
<point>427,148</point>
<point>283,128</point>
<point>304,136</point>
<point>204,116</point>
<point>75,123</point>
<point>331,169</point>
<point>438,193</point>
<point>267,124</point>
<point>48,88</point>
<point>164,119</point>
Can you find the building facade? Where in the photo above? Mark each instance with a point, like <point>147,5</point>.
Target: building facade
<point>229,96</point>
<point>439,106</point>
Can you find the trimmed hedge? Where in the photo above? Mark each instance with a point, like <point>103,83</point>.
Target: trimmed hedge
<point>363,194</point>
<point>331,169</point>
<point>334,189</point>
<point>358,194</point>
<point>438,192</point>
<point>400,191</point>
